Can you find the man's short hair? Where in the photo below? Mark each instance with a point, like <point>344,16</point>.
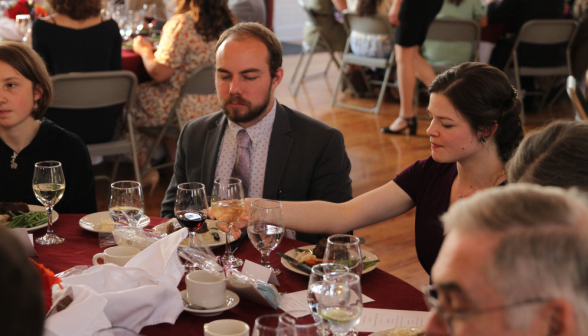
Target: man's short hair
<point>253,30</point>
<point>543,251</point>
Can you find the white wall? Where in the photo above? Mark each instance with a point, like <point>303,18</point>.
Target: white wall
<point>288,20</point>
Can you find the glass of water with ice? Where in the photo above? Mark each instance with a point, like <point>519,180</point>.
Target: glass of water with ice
<point>340,303</point>
<point>266,228</point>
<point>315,284</point>
<point>125,202</point>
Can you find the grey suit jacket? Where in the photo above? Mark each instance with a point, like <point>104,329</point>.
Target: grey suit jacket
<point>306,160</point>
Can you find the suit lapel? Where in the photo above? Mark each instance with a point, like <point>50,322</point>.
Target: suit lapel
<point>211,148</point>
<point>278,152</point>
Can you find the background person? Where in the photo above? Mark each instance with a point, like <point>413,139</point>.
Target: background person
<point>515,262</point>
<point>187,42</point>
<point>26,138</point>
<point>291,156</point>
<point>249,10</point>
<point>475,128</point>
<point>77,39</point>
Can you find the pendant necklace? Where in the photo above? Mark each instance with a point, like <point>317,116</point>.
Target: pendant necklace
<point>13,163</point>
<point>460,196</point>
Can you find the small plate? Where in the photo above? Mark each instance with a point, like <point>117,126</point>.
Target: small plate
<point>386,331</point>
<point>161,228</point>
<point>369,256</point>
<point>93,222</point>
<point>231,301</point>
<point>54,216</point>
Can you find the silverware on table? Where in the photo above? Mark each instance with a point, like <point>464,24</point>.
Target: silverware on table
<point>301,266</point>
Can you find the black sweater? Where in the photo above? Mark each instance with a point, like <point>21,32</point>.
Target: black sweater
<point>51,143</point>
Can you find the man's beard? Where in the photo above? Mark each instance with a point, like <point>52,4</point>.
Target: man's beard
<point>252,112</point>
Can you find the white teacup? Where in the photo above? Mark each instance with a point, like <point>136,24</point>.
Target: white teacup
<point>226,328</point>
<point>205,289</point>
<point>118,255</point>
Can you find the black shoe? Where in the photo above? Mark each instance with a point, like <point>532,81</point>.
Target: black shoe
<point>411,125</point>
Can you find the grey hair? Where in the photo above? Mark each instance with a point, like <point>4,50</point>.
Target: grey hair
<point>543,251</point>
<point>557,156</point>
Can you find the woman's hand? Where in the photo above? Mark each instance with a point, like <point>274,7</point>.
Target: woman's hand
<point>243,220</point>
<point>140,45</point>
<point>393,13</point>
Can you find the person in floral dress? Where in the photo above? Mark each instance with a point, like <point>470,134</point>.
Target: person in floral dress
<point>187,41</point>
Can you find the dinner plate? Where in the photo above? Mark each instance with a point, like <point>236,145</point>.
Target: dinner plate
<point>161,228</point>
<point>231,301</point>
<point>386,331</point>
<point>93,222</point>
<point>54,216</point>
<point>369,256</point>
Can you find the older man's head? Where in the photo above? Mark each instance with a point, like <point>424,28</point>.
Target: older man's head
<point>514,263</point>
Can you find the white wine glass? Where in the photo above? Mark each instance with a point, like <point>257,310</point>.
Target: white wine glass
<point>227,203</point>
<point>315,284</point>
<point>49,186</point>
<point>345,249</point>
<point>191,211</point>
<point>125,203</point>
<point>266,229</point>
<point>273,325</point>
<point>340,303</point>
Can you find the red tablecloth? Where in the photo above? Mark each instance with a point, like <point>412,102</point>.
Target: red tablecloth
<point>133,62</point>
<point>80,245</point>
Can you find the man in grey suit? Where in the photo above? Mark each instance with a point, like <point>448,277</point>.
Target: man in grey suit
<point>290,156</point>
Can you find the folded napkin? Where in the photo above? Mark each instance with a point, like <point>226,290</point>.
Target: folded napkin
<point>143,292</point>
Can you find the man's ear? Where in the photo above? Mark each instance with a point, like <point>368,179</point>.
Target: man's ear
<point>277,78</point>
<point>560,318</point>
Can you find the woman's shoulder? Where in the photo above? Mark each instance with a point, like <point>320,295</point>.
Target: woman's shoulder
<point>59,136</point>
<point>431,169</point>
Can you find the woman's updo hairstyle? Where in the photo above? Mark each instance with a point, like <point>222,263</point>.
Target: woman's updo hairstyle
<point>483,96</point>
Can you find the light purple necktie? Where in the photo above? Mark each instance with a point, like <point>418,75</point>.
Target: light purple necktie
<point>242,164</point>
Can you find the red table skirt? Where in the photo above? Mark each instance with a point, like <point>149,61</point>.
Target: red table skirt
<point>80,245</point>
<point>133,62</point>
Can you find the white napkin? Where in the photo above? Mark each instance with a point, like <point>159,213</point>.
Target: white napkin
<point>8,30</point>
<point>143,292</point>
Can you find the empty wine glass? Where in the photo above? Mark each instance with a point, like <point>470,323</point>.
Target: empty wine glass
<point>228,201</point>
<point>190,210</point>
<point>340,303</point>
<point>344,249</point>
<point>315,284</point>
<point>49,186</point>
<point>266,229</point>
<point>126,203</point>
<point>273,325</point>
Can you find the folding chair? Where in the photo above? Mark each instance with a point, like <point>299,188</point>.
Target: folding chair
<point>577,99</point>
<point>377,24</point>
<point>543,32</point>
<point>200,82</point>
<point>320,43</point>
<point>87,90</point>
<point>455,30</point>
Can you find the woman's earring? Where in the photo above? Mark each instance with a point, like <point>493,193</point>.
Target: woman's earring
<point>484,140</point>
<point>35,106</point>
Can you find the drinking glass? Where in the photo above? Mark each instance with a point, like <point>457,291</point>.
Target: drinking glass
<point>48,186</point>
<point>344,249</point>
<point>22,23</point>
<point>305,325</point>
<point>266,229</point>
<point>228,201</point>
<point>190,210</point>
<point>115,331</point>
<point>150,16</point>
<point>315,284</point>
<point>340,303</point>
<point>273,325</point>
<point>125,202</point>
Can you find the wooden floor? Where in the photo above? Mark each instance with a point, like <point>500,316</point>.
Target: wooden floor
<point>376,158</point>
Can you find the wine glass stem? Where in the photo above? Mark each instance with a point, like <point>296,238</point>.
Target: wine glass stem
<point>265,259</point>
<point>228,251</point>
<point>49,219</point>
<point>192,236</point>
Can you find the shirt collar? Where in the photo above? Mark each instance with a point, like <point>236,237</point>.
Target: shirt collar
<point>258,130</point>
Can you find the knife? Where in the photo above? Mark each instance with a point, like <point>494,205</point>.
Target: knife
<point>301,266</point>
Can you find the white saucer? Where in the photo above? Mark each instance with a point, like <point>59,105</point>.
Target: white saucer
<point>231,301</point>
<point>93,222</point>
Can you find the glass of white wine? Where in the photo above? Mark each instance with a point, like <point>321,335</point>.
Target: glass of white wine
<point>266,229</point>
<point>125,202</point>
<point>340,302</point>
<point>227,202</point>
<point>49,185</point>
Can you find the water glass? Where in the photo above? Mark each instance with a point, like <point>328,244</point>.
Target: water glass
<point>340,302</point>
<point>125,202</point>
<point>273,325</point>
<point>315,284</point>
<point>345,249</point>
<point>305,325</point>
<point>266,229</point>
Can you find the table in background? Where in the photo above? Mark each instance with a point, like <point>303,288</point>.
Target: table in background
<point>80,246</point>
<point>133,62</point>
